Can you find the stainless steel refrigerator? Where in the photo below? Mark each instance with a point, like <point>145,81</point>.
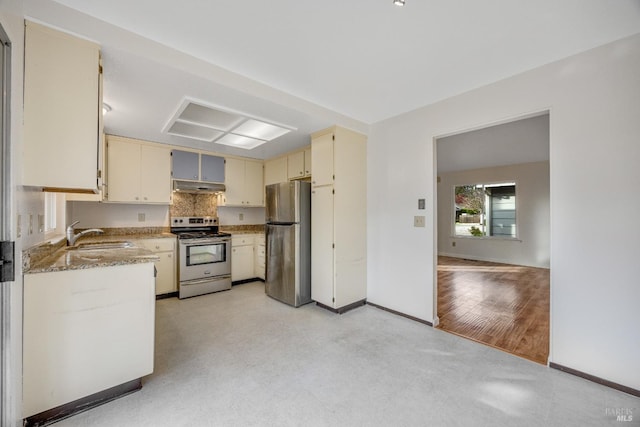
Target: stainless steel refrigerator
<point>288,238</point>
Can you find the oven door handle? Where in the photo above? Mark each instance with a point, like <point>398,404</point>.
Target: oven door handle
<point>200,242</point>
<point>207,280</point>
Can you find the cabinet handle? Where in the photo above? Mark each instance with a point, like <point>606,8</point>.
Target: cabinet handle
<point>145,198</point>
<point>195,176</point>
<point>137,198</point>
<point>157,246</point>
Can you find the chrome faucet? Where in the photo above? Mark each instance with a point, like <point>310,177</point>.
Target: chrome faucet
<point>71,237</point>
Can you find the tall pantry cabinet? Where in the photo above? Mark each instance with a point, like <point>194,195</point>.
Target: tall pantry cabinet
<point>338,218</point>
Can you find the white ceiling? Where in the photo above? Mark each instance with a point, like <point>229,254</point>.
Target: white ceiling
<point>520,141</point>
<point>310,64</point>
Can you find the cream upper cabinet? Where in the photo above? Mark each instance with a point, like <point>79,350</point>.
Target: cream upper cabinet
<point>322,159</point>
<point>275,171</point>
<point>307,162</point>
<point>299,164</point>
<point>61,110</point>
<point>295,165</point>
<point>244,183</point>
<point>137,172</point>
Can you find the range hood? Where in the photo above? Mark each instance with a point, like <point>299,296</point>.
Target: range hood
<point>197,187</point>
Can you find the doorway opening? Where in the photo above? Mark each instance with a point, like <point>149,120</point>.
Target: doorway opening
<point>493,215</point>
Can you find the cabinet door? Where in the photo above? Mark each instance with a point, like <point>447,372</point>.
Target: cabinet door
<point>166,277</point>
<point>307,162</point>
<point>61,110</point>
<point>123,171</point>
<point>234,174</point>
<point>295,165</point>
<point>184,165</point>
<point>322,160</point>
<point>254,187</point>
<point>275,171</point>
<point>211,168</point>
<point>155,174</point>
<point>242,263</point>
<point>322,261</point>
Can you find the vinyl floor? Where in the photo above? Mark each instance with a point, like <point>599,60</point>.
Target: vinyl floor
<point>240,358</point>
<point>501,305</point>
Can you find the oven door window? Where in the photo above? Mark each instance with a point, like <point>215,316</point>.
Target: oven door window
<point>206,254</point>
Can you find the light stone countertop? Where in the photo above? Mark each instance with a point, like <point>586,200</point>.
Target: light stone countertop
<point>66,258</point>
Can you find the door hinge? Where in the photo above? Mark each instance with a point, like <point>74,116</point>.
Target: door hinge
<point>99,173</point>
<point>333,245</point>
<point>7,265</point>
<point>333,191</point>
<point>333,137</point>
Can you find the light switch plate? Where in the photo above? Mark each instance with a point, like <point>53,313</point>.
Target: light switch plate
<point>418,221</point>
<point>142,217</point>
<point>420,203</point>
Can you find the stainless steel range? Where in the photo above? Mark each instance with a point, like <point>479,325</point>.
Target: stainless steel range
<point>204,256</point>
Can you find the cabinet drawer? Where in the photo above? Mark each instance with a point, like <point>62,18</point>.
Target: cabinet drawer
<point>242,240</point>
<point>157,245</point>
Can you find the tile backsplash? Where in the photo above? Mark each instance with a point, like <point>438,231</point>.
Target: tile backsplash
<point>186,204</point>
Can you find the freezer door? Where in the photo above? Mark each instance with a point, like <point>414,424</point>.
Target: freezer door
<point>282,201</point>
<point>283,279</point>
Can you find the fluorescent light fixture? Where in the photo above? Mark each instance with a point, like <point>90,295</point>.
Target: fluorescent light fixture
<point>189,130</point>
<point>240,141</point>
<point>398,2</point>
<point>260,130</point>
<point>197,120</point>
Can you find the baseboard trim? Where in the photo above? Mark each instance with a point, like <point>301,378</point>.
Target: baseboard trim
<point>242,282</point>
<point>398,313</point>
<point>168,295</point>
<point>84,404</point>
<point>593,378</point>
<point>344,309</point>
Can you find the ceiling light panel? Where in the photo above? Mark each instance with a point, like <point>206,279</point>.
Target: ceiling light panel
<point>189,130</point>
<point>197,120</point>
<point>240,141</point>
<point>207,116</point>
<point>260,130</point>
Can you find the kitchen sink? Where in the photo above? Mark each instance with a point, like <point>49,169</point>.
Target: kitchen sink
<point>101,246</point>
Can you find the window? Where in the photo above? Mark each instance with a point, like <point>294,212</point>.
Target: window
<point>49,212</point>
<point>54,215</point>
<point>485,210</point>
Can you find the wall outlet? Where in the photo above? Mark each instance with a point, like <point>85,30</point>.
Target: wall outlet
<point>241,217</point>
<point>418,221</point>
<point>453,244</point>
<point>141,217</point>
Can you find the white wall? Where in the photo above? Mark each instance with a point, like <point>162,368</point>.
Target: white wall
<point>118,215</point>
<point>532,216</point>
<point>231,216</point>
<point>594,157</point>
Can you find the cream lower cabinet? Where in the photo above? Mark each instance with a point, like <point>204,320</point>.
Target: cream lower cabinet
<point>137,172</point>
<point>338,209</point>
<point>242,257</point>
<point>62,106</point>
<point>244,183</point>
<point>260,256</point>
<point>85,331</point>
<point>165,249</point>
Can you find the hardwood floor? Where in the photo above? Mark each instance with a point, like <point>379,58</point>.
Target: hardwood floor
<point>504,306</point>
